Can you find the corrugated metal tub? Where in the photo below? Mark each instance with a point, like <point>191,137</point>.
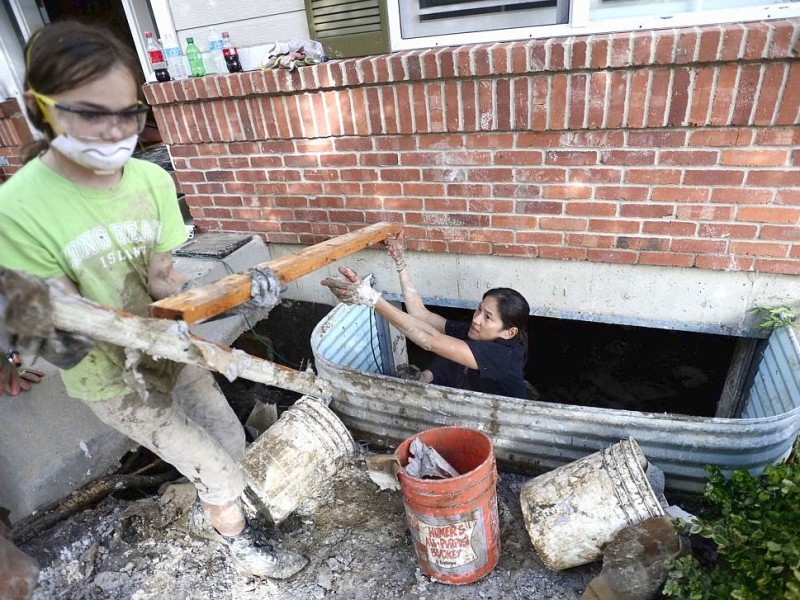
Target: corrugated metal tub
<point>351,351</point>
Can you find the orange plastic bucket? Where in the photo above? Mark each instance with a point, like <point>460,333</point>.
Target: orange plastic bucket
<point>454,522</point>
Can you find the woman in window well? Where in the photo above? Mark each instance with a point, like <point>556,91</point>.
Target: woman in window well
<point>487,354</point>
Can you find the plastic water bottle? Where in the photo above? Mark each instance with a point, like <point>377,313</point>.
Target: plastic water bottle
<point>175,60</point>
<point>231,54</point>
<point>195,58</point>
<point>215,48</point>
<point>156,56</point>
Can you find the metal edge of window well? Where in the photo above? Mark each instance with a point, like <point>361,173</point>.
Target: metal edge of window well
<point>536,436</point>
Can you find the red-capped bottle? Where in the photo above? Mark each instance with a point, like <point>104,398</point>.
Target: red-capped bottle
<point>231,54</point>
<point>156,55</point>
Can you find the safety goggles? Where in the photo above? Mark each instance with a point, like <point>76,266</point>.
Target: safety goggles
<point>90,123</point>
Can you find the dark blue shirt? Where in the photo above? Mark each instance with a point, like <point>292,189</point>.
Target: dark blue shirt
<point>501,365</point>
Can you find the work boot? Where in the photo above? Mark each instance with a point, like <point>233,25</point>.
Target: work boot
<point>254,555</point>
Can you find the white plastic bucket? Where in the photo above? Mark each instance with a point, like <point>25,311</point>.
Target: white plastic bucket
<point>572,512</point>
<point>294,457</point>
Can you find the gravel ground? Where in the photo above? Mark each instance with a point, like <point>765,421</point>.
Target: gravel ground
<point>354,535</point>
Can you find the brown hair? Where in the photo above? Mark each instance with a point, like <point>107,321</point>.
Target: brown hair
<point>67,54</point>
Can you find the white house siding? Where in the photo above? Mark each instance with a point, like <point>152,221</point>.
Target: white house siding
<point>249,22</point>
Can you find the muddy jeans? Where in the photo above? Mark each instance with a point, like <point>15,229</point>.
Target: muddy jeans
<point>193,428</point>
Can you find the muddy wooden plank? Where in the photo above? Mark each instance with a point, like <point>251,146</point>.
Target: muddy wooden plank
<point>172,340</point>
<point>202,303</point>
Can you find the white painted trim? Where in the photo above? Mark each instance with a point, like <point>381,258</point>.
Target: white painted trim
<point>138,14</point>
<point>12,60</point>
<point>29,17</point>
<point>643,295</point>
<point>393,16</point>
<point>778,11</point>
<point>579,13</point>
<point>165,24</point>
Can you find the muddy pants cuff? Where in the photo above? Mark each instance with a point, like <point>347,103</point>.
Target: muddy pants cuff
<point>193,428</point>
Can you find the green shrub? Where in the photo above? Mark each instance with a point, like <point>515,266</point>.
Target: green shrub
<point>775,317</point>
<point>755,524</point>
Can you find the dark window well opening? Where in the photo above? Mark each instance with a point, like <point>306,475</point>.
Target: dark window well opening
<point>284,338</point>
<point>570,362</point>
<point>618,366</point>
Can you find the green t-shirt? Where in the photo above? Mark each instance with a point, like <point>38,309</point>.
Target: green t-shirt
<point>103,241</point>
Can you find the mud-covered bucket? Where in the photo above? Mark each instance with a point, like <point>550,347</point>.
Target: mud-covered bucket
<point>573,512</point>
<point>292,459</point>
<point>453,522</point>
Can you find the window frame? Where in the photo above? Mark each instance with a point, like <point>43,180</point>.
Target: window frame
<point>579,23</point>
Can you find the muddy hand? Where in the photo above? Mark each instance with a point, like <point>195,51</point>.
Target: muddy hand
<point>408,371</point>
<point>12,381</point>
<point>265,288</point>
<point>351,290</point>
<point>27,322</point>
<point>395,247</point>
<point>265,292</point>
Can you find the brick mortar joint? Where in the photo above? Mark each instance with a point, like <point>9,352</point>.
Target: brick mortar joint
<point>285,84</point>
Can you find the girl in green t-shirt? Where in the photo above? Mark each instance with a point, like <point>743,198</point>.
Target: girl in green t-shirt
<point>83,212</point>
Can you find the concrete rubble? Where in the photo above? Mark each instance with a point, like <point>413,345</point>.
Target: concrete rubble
<point>637,561</point>
<point>426,463</point>
<point>305,477</point>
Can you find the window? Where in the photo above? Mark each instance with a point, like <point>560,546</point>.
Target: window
<point>426,23</point>
<point>420,18</point>
<point>600,10</point>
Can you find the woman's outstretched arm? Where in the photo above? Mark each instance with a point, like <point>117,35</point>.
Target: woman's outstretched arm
<point>352,290</point>
<point>395,248</point>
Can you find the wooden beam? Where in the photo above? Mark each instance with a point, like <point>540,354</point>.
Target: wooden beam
<point>731,400</point>
<point>165,339</point>
<point>202,303</point>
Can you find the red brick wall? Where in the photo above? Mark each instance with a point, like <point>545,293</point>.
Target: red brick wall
<point>677,147</point>
<point>14,134</point>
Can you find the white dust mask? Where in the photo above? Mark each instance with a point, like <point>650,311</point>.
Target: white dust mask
<point>103,158</point>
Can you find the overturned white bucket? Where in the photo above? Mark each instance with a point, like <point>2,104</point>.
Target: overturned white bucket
<point>572,512</point>
<point>294,457</point>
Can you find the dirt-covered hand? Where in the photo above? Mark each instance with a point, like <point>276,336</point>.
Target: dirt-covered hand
<point>351,290</point>
<point>265,290</point>
<point>14,380</point>
<point>26,322</point>
<point>408,371</point>
<point>265,293</point>
<point>395,248</point>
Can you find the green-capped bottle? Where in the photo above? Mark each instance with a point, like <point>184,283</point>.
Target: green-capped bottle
<point>195,58</point>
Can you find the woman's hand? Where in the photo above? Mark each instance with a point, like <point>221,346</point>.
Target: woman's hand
<point>351,290</point>
<point>395,247</point>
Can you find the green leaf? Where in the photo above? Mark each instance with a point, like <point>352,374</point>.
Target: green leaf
<point>773,547</point>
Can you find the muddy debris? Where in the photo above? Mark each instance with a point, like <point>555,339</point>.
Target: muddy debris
<point>354,534</point>
<point>637,561</point>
